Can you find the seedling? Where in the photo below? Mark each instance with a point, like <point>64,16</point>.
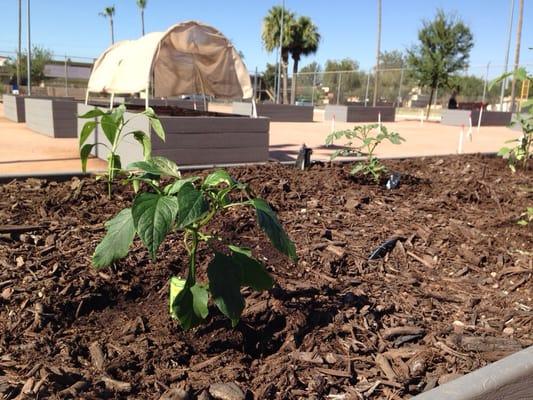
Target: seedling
<point>187,206</point>
<point>363,141</point>
<point>114,127</point>
<point>521,152</point>
<point>526,217</point>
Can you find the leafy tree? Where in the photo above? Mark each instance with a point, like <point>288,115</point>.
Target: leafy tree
<point>142,5</point>
<point>444,49</point>
<point>39,58</point>
<point>308,76</point>
<point>109,12</point>
<point>390,66</point>
<point>303,42</point>
<point>271,36</point>
<point>350,82</point>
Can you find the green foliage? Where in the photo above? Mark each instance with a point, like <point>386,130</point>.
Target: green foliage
<point>367,138</point>
<point>187,206</point>
<point>444,49</point>
<point>349,82</point>
<point>520,153</point>
<point>40,57</point>
<point>114,127</point>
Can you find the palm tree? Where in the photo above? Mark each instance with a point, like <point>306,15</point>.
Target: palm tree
<point>142,5</point>
<point>271,38</point>
<point>109,12</point>
<point>305,39</point>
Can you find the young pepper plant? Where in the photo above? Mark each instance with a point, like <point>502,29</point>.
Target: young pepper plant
<point>520,153</point>
<point>114,126</point>
<point>367,138</point>
<point>188,205</point>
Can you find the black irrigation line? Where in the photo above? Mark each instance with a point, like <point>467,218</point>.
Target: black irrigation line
<point>65,176</point>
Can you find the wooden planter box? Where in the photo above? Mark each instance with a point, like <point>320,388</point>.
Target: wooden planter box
<point>276,112</point>
<point>511,378</point>
<point>14,108</point>
<point>359,114</point>
<point>194,140</point>
<point>54,117</point>
<point>187,104</point>
<point>489,118</point>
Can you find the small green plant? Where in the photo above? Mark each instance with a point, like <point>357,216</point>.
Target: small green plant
<point>187,206</point>
<point>520,153</point>
<point>363,141</point>
<point>114,127</point>
<point>526,217</point>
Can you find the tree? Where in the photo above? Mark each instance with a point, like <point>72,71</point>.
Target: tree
<point>142,5</point>
<point>391,64</point>
<point>444,49</point>
<point>271,36</point>
<point>39,58</point>
<point>346,83</point>
<point>309,80</point>
<point>303,42</point>
<point>269,78</point>
<point>109,12</point>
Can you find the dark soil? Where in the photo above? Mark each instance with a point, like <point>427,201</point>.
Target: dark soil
<point>453,294</point>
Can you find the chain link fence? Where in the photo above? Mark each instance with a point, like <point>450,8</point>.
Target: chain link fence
<point>398,87</point>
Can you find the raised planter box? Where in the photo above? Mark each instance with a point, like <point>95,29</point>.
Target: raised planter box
<point>54,117</point>
<point>489,118</point>
<point>206,139</point>
<point>359,114</point>
<point>187,104</point>
<point>510,378</point>
<point>14,108</point>
<point>276,112</point>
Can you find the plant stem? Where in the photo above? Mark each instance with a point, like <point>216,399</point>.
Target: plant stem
<point>192,256</point>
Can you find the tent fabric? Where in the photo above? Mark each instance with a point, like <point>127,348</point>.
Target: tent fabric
<point>189,58</point>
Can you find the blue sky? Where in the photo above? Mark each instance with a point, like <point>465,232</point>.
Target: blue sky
<point>347,26</point>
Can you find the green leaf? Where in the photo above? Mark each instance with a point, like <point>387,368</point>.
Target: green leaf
<point>188,303</point>
<point>357,168</point>
<point>191,205</point>
<point>522,222</point>
<point>92,114</point>
<point>114,165</point>
<point>118,113</point>
<point>153,215</point>
<point>155,123</point>
<point>253,273</point>
<point>117,241</point>
<point>224,284</point>
<point>176,186</point>
<point>85,151</point>
<point>504,151</point>
<point>218,177</point>
<point>86,131</point>
<point>110,127</point>
<point>145,142</point>
<point>157,166</point>
<point>268,221</point>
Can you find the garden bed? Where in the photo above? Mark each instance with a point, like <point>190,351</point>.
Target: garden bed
<point>51,116</point>
<point>193,137</point>
<point>454,295</point>
<point>359,114</point>
<point>489,118</point>
<point>14,107</point>
<point>181,103</point>
<point>276,112</point>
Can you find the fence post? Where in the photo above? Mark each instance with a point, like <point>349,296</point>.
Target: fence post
<point>339,88</point>
<point>313,89</point>
<point>66,76</point>
<point>400,88</point>
<point>485,84</point>
<point>367,85</point>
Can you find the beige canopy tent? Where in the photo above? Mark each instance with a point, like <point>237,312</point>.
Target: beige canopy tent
<point>189,58</point>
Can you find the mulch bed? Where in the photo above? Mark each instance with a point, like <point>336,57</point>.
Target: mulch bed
<point>453,295</point>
